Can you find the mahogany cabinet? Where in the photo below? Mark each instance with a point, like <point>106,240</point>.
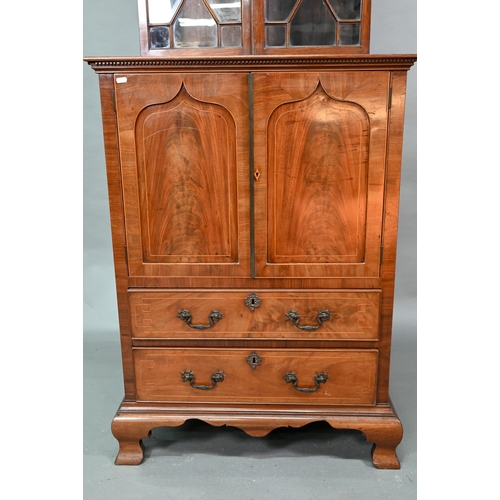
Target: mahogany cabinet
<point>254,209</point>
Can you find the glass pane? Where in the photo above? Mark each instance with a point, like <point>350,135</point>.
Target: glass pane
<point>226,10</point>
<point>162,11</point>
<point>159,36</point>
<point>230,36</point>
<point>346,9</point>
<point>312,24</point>
<point>349,34</point>
<point>275,36</point>
<point>195,26</point>
<point>279,10</point>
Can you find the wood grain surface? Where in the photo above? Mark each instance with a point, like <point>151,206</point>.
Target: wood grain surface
<point>354,315</point>
<point>351,375</point>
<point>184,151</point>
<point>317,172</point>
<point>319,202</point>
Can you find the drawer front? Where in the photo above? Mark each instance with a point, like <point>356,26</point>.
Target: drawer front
<point>343,376</point>
<point>279,315</point>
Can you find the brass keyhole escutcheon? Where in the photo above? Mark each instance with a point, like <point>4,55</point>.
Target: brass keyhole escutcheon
<point>252,301</point>
<point>254,360</point>
<point>256,175</point>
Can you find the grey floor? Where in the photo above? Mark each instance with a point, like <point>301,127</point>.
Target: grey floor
<point>196,461</point>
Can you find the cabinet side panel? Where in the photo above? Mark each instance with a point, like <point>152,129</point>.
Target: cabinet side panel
<point>390,229</point>
<point>111,148</point>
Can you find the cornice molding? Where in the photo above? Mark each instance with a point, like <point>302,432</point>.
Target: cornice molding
<point>245,63</point>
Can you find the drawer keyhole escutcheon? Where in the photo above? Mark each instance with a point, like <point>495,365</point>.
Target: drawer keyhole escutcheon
<point>252,301</point>
<point>254,360</point>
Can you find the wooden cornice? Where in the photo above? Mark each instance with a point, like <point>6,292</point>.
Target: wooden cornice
<point>401,62</point>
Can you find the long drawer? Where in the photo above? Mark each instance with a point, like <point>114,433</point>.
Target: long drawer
<point>264,376</point>
<point>342,315</point>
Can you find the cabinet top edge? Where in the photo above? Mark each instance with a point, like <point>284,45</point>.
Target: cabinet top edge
<point>110,64</point>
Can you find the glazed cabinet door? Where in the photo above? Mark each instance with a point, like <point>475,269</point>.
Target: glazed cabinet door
<point>184,147</point>
<point>320,153</point>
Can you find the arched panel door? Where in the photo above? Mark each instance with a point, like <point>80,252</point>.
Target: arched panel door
<point>184,143</point>
<point>320,153</point>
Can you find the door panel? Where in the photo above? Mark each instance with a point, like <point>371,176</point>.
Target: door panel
<point>186,211</point>
<point>185,170</point>
<point>320,150</point>
<point>317,188</point>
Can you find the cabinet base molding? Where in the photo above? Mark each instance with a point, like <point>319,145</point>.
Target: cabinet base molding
<point>380,424</point>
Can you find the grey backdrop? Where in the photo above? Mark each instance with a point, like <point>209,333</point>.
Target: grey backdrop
<point>197,461</point>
